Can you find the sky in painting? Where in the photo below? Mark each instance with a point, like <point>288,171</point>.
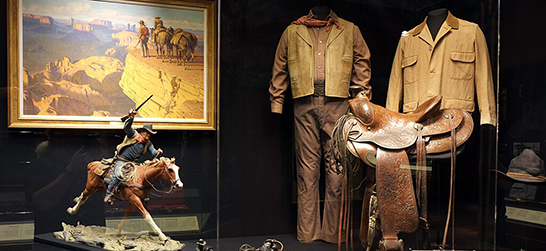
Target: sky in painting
<point>118,12</point>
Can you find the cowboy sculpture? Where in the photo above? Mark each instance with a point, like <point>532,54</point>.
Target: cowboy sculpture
<point>135,144</point>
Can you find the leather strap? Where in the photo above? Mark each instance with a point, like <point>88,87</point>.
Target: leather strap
<point>421,184</point>
<point>451,207</point>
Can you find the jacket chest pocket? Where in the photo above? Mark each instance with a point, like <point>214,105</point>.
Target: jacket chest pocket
<point>462,65</point>
<point>409,69</point>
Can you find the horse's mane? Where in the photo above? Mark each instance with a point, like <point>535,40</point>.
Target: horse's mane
<point>155,162</point>
<point>151,163</point>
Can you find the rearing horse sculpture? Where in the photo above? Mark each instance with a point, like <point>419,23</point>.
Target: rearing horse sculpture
<point>134,190</point>
<point>383,139</point>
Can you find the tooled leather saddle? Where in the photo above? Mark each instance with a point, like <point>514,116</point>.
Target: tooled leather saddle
<point>383,139</point>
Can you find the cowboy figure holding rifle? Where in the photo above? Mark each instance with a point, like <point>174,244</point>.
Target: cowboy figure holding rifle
<point>135,144</point>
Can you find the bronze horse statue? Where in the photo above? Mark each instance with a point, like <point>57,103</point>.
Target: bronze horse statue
<point>383,140</point>
<point>184,45</point>
<point>133,190</point>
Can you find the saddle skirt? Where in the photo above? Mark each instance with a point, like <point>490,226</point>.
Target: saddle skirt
<point>103,166</point>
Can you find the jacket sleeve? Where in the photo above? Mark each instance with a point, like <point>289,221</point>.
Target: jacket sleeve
<point>279,80</point>
<point>152,150</point>
<point>128,128</point>
<point>362,72</point>
<point>396,85</point>
<point>484,82</point>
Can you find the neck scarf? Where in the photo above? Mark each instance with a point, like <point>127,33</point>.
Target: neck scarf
<point>308,21</point>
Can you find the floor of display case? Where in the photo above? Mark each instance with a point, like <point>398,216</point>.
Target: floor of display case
<point>46,242</point>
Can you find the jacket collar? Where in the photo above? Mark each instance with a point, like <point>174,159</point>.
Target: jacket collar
<point>451,20</point>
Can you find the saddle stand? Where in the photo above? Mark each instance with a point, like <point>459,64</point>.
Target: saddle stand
<point>383,139</point>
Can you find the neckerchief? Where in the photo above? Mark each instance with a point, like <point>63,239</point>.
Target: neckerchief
<point>308,21</point>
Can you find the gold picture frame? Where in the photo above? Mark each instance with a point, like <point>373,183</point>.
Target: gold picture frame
<point>82,63</point>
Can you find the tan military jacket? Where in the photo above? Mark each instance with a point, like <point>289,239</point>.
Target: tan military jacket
<point>456,65</point>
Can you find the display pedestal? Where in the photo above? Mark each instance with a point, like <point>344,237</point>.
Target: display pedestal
<point>43,242</point>
<point>48,242</point>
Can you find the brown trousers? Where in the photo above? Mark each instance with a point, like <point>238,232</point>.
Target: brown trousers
<point>315,117</point>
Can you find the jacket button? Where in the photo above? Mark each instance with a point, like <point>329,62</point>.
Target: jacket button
<point>430,48</point>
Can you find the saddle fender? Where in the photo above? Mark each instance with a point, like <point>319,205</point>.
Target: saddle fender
<point>395,197</point>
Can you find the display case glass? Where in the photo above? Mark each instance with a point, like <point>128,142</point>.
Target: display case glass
<point>258,166</point>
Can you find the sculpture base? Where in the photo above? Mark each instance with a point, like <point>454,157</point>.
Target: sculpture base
<point>43,242</point>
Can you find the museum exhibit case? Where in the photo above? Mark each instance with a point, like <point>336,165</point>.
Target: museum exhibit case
<point>241,165</point>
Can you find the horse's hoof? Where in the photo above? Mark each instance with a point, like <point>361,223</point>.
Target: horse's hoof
<point>71,211</point>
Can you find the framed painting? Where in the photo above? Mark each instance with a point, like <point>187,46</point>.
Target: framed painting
<point>86,63</point>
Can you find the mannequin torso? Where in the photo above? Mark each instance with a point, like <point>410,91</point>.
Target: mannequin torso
<point>435,20</point>
<point>321,12</point>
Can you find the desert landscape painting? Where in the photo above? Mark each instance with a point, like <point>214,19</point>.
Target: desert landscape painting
<point>83,59</point>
